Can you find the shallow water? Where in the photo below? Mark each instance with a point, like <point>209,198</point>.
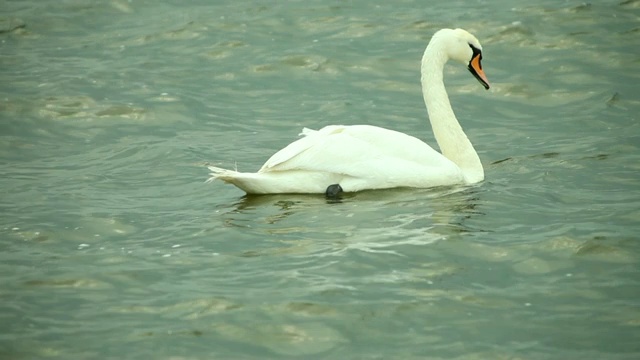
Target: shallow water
<point>112,245</point>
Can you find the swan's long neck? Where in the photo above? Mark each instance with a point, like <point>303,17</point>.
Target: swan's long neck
<point>452,140</point>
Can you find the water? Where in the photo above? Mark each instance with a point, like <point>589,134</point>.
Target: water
<point>113,247</point>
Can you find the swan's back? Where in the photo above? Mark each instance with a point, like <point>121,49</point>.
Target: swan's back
<point>388,157</point>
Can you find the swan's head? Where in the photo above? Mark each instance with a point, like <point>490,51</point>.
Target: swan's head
<point>462,46</point>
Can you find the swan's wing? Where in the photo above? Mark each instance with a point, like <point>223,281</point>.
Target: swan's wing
<point>311,138</point>
<point>396,144</point>
<point>358,151</point>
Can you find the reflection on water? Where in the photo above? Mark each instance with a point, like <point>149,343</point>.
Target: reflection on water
<point>413,208</point>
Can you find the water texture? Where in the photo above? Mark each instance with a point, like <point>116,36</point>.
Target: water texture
<point>113,247</point>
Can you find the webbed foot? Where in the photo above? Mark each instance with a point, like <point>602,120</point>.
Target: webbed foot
<point>333,191</point>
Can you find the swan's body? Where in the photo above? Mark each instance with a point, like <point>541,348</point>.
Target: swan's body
<point>361,157</point>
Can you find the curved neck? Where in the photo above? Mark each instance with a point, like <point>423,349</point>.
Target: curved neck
<point>452,140</point>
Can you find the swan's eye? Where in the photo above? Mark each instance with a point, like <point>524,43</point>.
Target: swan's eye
<point>476,51</point>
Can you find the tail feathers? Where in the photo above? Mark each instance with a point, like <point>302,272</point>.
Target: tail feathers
<point>252,183</point>
<point>220,173</point>
<point>276,182</point>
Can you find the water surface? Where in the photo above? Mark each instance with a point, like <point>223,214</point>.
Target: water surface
<point>112,246</point>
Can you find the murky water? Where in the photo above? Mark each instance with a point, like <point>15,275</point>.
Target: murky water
<point>112,246</point>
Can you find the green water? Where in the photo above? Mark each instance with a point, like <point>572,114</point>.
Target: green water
<point>113,247</point>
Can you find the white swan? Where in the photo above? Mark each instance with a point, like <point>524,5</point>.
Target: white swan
<point>352,158</point>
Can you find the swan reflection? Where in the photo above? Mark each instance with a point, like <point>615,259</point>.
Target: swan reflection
<point>370,221</point>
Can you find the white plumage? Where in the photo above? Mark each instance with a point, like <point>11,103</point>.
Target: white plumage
<point>360,157</point>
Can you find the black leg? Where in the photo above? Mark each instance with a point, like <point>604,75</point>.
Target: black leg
<point>333,191</point>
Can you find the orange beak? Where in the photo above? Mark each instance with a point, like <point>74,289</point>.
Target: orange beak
<point>476,69</point>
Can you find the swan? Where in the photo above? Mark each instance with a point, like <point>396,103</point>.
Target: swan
<point>340,158</point>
